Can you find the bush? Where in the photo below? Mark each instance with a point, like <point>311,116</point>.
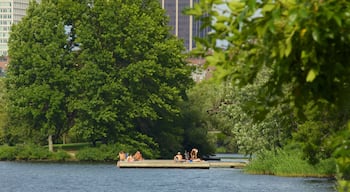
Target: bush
<point>7,153</point>
<point>32,152</point>
<point>24,152</point>
<point>90,154</point>
<point>60,155</point>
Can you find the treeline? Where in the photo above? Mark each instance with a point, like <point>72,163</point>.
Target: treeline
<point>99,71</point>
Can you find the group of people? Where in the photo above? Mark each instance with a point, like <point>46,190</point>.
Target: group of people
<point>125,157</point>
<point>192,156</point>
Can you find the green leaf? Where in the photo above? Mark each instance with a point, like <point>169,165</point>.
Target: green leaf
<point>252,4</point>
<point>268,7</point>
<point>236,6</point>
<point>288,48</point>
<point>337,20</point>
<point>221,18</point>
<point>195,11</point>
<point>316,35</point>
<point>219,27</point>
<point>311,75</point>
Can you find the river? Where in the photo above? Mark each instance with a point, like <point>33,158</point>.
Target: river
<point>75,177</point>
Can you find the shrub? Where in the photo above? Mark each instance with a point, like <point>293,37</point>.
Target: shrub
<point>90,154</point>
<point>32,152</point>
<point>60,155</point>
<point>7,153</point>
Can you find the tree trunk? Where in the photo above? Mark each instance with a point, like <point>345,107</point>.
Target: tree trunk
<point>50,143</point>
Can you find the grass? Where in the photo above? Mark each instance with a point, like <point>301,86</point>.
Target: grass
<point>289,163</point>
<point>72,146</point>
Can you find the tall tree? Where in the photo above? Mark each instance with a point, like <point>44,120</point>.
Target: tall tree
<point>3,111</point>
<point>105,70</point>
<point>131,72</point>
<point>38,74</point>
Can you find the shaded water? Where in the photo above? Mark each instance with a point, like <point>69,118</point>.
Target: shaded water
<point>42,177</point>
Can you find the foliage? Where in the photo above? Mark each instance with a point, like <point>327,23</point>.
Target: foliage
<point>3,112</point>
<point>289,163</point>
<point>342,142</point>
<point>7,153</point>
<point>60,155</point>
<point>304,43</point>
<point>32,152</point>
<point>110,152</point>
<point>106,71</point>
<point>90,154</point>
<point>199,117</point>
<point>241,107</point>
<point>38,73</point>
<point>126,87</point>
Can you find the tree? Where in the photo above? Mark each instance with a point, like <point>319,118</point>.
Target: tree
<point>241,110</point>
<point>38,73</point>
<point>132,70</point>
<point>304,43</point>
<point>3,113</point>
<point>198,120</point>
<point>104,70</point>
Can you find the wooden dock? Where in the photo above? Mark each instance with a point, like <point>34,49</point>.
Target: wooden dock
<point>183,165</point>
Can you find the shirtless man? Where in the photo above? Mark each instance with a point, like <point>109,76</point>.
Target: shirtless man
<point>122,156</point>
<point>138,156</point>
<point>178,157</point>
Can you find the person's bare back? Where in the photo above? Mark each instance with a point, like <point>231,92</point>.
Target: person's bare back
<point>178,157</point>
<point>138,156</point>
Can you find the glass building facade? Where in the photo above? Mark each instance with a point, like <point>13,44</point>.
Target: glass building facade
<point>11,12</point>
<point>183,26</point>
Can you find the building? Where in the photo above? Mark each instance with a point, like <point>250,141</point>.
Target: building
<point>200,72</point>
<point>11,12</point>
<point>183,26</point>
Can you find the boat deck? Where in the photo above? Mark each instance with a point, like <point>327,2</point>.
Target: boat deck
<point>175,164</point>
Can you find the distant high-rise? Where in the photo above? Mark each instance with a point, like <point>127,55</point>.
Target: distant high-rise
<point>183,26</point>
<point>11,12</point>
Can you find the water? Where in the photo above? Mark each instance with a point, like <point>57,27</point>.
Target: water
<point>44,177</point>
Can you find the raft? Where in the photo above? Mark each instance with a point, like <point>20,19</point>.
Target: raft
<point>179,164</point>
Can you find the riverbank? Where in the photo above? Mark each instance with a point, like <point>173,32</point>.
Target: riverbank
<point>290,164</point>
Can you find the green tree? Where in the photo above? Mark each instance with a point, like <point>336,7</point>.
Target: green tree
<point>242,108</point>
<point>3,112</point>
<point>199,117</point>
<point>38,74</point>
<point>303,42</point>
<point>101,70</point>
<point>131,73</point>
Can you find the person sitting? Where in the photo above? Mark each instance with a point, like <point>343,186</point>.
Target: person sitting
<point>138,156</point>
<point>130,158</point>
<point>122,156</point>
<point>178,157</point>
<point>194,154</point>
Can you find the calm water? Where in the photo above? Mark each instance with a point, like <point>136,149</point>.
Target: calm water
<point>47,177</point>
